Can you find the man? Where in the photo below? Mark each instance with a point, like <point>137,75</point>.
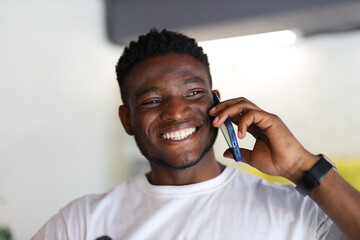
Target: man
<point>168,107</point>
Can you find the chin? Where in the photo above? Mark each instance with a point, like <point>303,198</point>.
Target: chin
<point>185,160</point>
<point>177,165</point>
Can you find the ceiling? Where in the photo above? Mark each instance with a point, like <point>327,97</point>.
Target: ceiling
<point>214,19</point>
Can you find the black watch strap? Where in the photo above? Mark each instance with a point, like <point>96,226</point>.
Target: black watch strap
<point>312,178</point>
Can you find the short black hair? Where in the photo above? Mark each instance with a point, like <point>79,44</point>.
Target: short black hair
<point>152,44</point>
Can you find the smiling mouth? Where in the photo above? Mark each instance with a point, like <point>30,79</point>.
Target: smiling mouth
<point>178,135</point>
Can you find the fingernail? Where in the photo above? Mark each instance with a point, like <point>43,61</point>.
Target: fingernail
<point>216,120</point>
<point>212,109</point>
<point>239,134</point>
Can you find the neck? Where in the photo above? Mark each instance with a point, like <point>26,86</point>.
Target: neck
<point>204,170</point>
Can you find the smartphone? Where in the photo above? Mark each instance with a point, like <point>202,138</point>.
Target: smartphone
<point>228,131</point>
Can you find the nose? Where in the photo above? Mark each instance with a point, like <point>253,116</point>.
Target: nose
<point>175,108</point>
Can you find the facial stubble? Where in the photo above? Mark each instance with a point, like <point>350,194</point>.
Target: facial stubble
<point>186,162</point>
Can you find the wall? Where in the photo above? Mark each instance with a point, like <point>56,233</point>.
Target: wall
<point>60,137</point>
<point>312,85</point>
<point>59,131</point>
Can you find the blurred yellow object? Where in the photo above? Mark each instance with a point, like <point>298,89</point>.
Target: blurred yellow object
<point>348,168</point>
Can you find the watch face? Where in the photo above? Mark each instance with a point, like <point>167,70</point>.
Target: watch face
<point>327,159</point>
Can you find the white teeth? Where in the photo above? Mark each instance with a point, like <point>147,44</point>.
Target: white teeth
<point>179,135</point>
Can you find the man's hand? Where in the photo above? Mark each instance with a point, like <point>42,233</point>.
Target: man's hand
<point>276,151</point>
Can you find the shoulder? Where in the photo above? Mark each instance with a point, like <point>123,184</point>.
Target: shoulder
<point>93,204</point>
<point>282,203</point>
<point>254,183</point>
<point>273,198</point>
<point>71,221</point>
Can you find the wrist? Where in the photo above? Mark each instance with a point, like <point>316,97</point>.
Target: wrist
<point>312,178</point>
<point>303,164</point>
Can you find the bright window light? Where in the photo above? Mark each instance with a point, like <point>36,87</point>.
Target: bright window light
<point>257,41</point>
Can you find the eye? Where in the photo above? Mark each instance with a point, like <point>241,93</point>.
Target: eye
<point>195,94</point>
<point>151,102</point>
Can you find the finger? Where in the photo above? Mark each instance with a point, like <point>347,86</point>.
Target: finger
<point>228,103</point>
<point>228,153</point>
<point>231,109</point>
<point>224,104</point>
<point>263,122</point>
<point>253,130</point>
<point>245,153</point>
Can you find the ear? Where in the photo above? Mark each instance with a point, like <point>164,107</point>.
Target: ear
<point>217,93</point>
<point>124,115</point>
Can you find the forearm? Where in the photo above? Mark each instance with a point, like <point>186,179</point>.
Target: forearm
<point>340,201</point>
<point>337,198</point>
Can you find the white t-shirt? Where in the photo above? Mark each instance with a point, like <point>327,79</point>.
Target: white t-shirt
<point>233,205</point>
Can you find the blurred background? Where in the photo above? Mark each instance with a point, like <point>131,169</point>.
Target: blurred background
<point>60,137</point>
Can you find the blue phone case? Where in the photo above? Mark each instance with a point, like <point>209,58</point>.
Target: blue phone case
<point>228,131</point>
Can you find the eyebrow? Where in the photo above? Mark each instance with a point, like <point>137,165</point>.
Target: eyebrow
<point>159,89</point>
<point>191,80</point>
<point>147,90</point>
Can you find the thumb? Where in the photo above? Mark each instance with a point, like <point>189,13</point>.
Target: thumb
<point>245,153</point>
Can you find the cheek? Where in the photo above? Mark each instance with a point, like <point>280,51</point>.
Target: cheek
<point>143,124</point>
<point>205,107</point>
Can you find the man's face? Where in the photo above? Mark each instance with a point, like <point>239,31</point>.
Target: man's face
<point>169,100</point>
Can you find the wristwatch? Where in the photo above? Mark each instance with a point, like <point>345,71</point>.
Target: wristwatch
<point>312,178</point>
